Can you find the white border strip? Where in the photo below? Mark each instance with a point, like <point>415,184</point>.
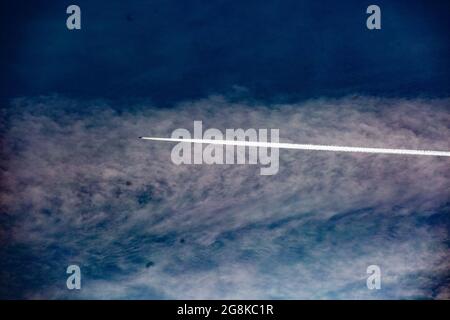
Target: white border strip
<point>306,146</point>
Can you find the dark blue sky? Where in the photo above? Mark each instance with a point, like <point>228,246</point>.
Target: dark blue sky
<point>77,186</point>
<point>169,51</point>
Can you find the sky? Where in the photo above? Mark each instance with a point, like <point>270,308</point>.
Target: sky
<point>78,187</point>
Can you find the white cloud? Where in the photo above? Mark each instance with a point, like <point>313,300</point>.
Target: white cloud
<point>85,182</point>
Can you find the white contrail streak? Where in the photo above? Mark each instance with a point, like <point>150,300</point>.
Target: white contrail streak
<point>307,146</point>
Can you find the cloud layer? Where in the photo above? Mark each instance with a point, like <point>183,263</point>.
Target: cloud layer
<point>81,188</point>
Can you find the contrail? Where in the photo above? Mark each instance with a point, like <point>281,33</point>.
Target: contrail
<point>314,147</point>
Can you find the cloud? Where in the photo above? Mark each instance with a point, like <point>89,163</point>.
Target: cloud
<point>79,187</point>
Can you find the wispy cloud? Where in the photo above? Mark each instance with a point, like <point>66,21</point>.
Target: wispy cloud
<point>80,187</point>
